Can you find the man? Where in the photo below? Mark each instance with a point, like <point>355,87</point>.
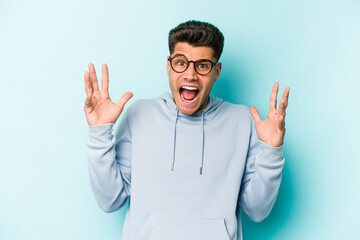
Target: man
<point>187,161</point>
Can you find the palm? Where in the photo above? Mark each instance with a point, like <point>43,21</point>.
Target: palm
<point>102,109</point>
<point>99,109</point>
<point>272,129</point>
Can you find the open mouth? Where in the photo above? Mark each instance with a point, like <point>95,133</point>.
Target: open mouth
<point>188,94</point>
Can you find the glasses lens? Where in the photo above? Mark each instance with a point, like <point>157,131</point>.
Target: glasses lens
<point>203,67</point>
<point>179,64</point>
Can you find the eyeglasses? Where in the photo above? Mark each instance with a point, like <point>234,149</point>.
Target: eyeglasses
<point>180,63</point>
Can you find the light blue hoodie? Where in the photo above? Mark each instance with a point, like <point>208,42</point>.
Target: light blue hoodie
<point>186,176</point>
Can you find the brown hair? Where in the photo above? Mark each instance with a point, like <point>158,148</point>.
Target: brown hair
<point>197,33</point>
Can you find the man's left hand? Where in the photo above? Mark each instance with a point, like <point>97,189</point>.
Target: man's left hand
<point>272,129</point>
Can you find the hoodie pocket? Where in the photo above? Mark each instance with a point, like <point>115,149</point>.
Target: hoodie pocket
<point>161,227</point>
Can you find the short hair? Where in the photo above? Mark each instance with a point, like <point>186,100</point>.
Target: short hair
<point>197,33</point>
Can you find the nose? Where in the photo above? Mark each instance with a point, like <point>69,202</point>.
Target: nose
<point>190,73</point>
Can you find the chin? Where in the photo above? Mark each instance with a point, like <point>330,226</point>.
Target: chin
<point>187,111</point>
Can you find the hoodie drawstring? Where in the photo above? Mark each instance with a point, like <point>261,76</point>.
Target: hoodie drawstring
<point>202,141</point>
<point>173,160</point>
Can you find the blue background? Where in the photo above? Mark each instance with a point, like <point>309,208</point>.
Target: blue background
<point>45,47</point>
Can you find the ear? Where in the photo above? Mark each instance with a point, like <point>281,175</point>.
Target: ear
<point>217,71</point>
<point>168,65</point>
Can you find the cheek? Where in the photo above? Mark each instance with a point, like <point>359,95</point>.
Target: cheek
<point>172,81</point>
<point>208,84</point>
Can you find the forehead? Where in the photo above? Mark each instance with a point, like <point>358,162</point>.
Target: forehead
<point>193,53</point>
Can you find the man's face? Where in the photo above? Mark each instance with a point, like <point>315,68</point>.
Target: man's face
<point>195,97</point>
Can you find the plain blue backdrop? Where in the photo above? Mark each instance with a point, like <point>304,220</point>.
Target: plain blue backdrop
<point>45,47</point>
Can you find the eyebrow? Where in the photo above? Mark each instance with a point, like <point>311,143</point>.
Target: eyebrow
<point>179,55</point>
<point>182,55</point>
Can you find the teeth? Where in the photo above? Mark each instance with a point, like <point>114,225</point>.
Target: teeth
<point>189,88</point>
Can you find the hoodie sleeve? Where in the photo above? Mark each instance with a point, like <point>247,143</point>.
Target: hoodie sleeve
<point>261,179</point>
<point>109,163</point>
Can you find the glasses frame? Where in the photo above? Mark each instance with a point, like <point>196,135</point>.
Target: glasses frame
<point>194,63</point>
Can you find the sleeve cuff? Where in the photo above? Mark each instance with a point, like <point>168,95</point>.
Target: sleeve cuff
<point>102,132</point>
<point>271,153</point>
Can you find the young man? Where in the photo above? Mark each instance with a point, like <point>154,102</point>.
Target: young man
<point>187,161</point>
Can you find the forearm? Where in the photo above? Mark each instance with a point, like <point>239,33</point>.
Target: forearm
<point>260,191</point>
<point>108,184</point>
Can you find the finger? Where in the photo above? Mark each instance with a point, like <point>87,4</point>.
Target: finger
<point>255,114</point>
<point>273,96</point>
<point>282,108</point>
<point>105,78</point>
<point>124,99</point>
<point>93,77</point>
<point>88,89</point>
<point>284,101</point>
<point>281,123</point>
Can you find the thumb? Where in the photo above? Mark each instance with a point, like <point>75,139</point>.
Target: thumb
<point>124,99</point>
<point>255,114</point>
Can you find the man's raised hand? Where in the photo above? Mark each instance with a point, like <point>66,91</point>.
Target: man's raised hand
<point>272,129</point>
<point>99,109</point>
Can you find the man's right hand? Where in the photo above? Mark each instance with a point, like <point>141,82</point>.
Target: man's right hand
<point>99,109</point>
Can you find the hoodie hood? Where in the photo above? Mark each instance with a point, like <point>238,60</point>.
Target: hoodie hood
<point>208,112</point>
